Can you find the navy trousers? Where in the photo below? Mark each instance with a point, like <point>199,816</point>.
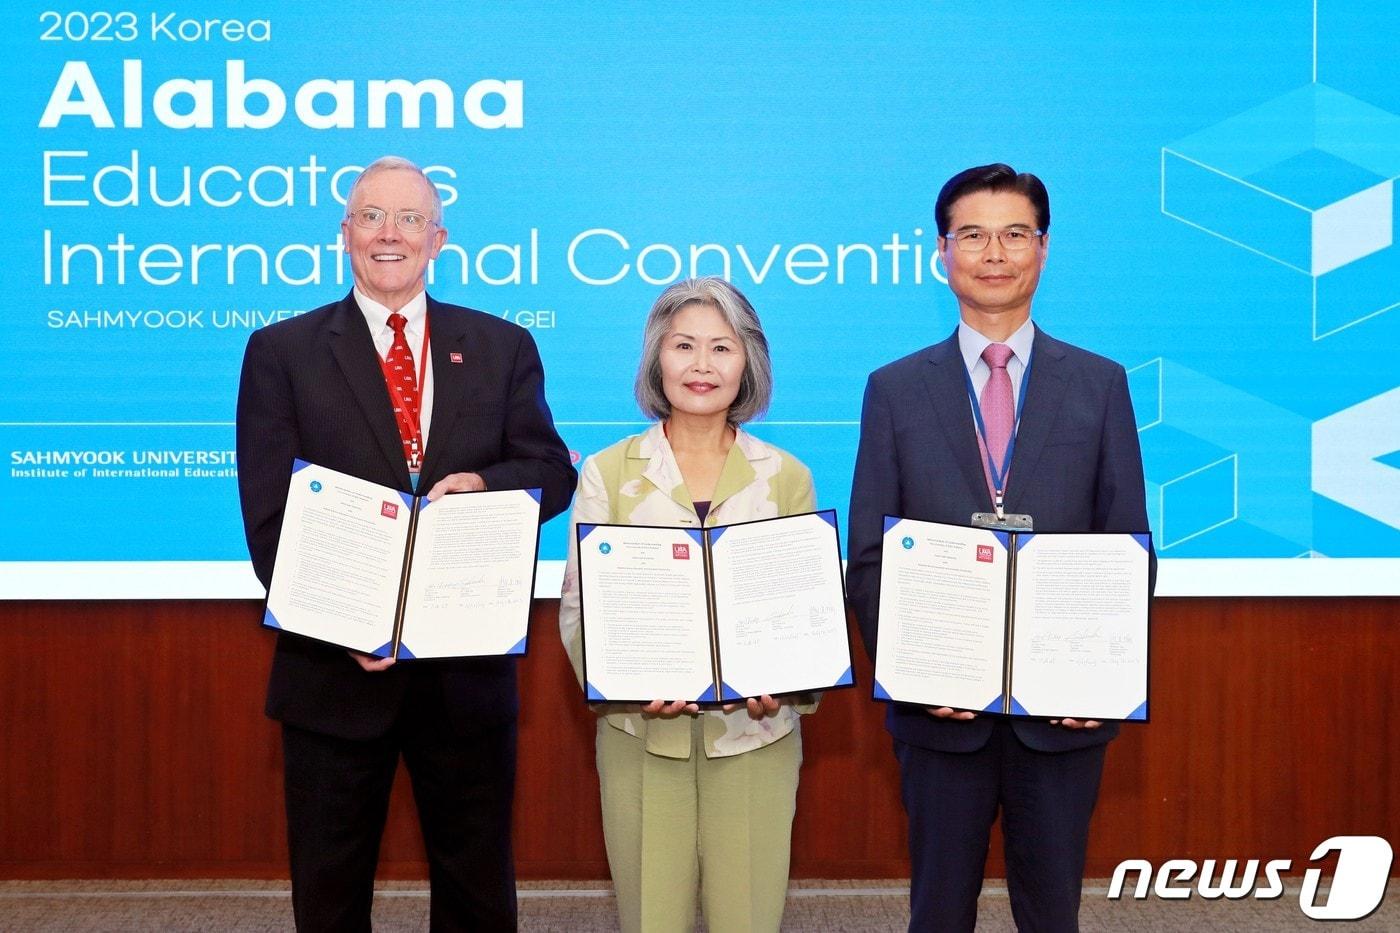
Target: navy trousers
<point>952,798</point>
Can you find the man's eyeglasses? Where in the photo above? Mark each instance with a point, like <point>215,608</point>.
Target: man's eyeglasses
<point>1012,239</point>
<point>372,218</point>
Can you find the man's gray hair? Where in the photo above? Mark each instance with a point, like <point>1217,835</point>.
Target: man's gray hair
<point>392,163</point>
<point>756,386</point>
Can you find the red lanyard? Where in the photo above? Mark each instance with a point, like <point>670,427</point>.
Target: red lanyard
<point>411,425</point>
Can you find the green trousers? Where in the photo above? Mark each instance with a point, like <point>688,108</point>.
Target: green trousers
<point>719,827</point>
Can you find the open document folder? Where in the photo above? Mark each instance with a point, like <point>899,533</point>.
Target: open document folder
<point>1018,623</point>
<point>713,615</point>
<point>390,574</point>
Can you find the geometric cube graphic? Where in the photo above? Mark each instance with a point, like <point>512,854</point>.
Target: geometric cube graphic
<point>1192,485</point>
<point>1306,179</point>
<point>1354,457</point>
<point>1352,228</point>
<point>1145,388</point>
<point>1355,292</point>
<point>1222,462</point>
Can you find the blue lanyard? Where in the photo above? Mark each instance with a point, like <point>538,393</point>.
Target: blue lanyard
<point>998,475</point>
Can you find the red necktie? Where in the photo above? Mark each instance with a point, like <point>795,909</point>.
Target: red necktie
<point>998,412</point>
<point>403,389</point>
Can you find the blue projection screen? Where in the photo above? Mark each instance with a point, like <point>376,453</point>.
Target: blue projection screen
<point>1222,179</point>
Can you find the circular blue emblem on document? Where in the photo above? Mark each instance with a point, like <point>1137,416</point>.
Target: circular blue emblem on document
<point>605,548</point>
<point>908,543</point>
<point>315,485</point>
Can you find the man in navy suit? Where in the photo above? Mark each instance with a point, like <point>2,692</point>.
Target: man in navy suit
<point>317,387</point>
<point>1075,466</point>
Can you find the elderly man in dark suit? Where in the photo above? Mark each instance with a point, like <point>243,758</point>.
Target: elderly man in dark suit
<point>941,439</point>
<point>394,387</point>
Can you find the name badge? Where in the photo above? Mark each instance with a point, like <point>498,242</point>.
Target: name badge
<point>1009,521</point>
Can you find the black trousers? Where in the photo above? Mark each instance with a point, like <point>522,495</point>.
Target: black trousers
<point>337,799</point>
<point>951,798</point>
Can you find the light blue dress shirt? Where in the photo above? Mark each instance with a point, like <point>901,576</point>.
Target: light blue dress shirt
<point>972,343</point>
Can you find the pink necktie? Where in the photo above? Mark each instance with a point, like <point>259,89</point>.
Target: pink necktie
<point>998,413</point>
<point>403,387</point>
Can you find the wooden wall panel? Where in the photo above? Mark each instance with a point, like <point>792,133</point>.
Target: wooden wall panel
<point>134,746</point>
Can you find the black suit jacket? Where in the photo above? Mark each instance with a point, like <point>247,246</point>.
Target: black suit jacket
<point>312,388</point>
<point>1076,467</point>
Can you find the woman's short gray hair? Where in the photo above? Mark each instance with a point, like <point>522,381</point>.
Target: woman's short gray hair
<point>756,386</point>
<point>392,163</point>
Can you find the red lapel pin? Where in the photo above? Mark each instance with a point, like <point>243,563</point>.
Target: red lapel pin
<point>455,357</point>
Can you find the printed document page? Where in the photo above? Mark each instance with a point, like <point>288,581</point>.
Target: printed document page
<point>942,624</point>
<point>339,559</point>
<point>1079,647</point>
<point>780,608</point>
<point>646,632</point>
<point>471,579</point>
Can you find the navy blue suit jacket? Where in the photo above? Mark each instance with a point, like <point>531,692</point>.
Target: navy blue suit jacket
<point>1076,467</point>
<point>312,388</point>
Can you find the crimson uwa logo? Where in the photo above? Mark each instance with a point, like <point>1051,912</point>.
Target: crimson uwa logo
<point>1358,885</point>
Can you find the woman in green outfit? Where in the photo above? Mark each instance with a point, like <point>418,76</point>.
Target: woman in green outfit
<point>691,795</point>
